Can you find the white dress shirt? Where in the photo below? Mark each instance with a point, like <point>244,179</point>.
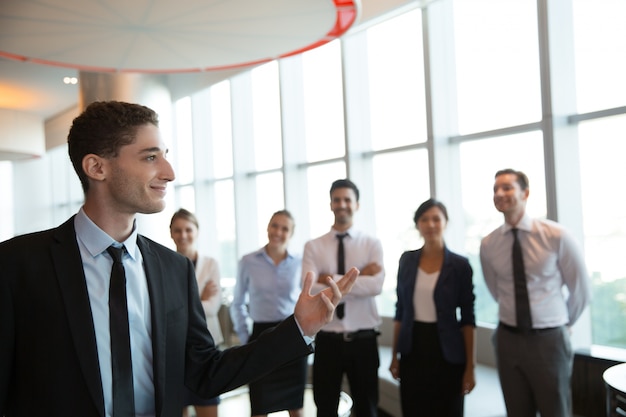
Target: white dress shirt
<point>207,270</point>
<point>424,296</point>
<point>93,243</point>
<point>320,256</point>
<point>552,259</point>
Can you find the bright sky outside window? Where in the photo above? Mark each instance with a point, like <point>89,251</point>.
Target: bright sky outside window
<point>602,150</point>
<point>600,45</point>
<point>184,142</point>
<point>497,64</point>
<point>323,102</point>
<point>221,126</point>
<point>401,184</point>
<point>396,82</point>
<point>266,116</point>
<point>270,199</point>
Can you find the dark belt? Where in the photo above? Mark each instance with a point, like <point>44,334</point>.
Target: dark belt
<point>518,330</point>
<point>350,336</point>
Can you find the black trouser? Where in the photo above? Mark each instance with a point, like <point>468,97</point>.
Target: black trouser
<point>430,386</point>
<point>358,359</point>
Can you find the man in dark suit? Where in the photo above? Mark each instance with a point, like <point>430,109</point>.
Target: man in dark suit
<point>55,340</point>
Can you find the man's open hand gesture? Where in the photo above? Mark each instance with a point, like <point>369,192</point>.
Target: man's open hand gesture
<point>313,311</point>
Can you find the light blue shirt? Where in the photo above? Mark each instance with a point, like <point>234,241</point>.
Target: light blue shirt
<point>93,243</point>
<point>264,292</point>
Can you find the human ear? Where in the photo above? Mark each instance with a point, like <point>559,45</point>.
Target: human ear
<point>93,167</point>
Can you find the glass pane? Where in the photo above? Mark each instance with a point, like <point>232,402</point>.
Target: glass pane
<point>59,176</point>
<point>480,160</point>
<point>323,102</point>
<point>187,198</point>
<point>65,199</point>
<point>396,82</point>
<point>221,130</point>
<point>184,141</point>
<point>497,63</point>
<point>600,42</point>
<point>270,199</point>
<point>226,233</point>
<point>319,180</point>
<point>602,150</point>
<point>394,212</point>
<point>266,116</point>
<point>6,204</point>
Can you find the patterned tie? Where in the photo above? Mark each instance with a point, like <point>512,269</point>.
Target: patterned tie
<point>522,305</point>
<point>341,269</point>
<point>121,365</point>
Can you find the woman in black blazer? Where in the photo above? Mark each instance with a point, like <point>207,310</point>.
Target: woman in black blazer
<point>433,347</point>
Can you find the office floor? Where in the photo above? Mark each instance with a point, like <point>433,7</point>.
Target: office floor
<point>236,404</point>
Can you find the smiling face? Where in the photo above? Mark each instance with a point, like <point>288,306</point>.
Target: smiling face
<point>184,233</point>
<point>343,204</point>
<point>509,198</point>
<point>431,225</point>
<point>279,231</point>
<point>136,179</point>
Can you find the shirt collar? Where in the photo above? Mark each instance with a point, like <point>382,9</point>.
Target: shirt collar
<point>525,224</point>
<point>262,252</point>
<point>348,232</point>
<point>97,240</point>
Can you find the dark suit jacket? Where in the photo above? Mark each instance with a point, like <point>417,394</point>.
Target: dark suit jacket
<point>48,356</point>
<point>454,289</point>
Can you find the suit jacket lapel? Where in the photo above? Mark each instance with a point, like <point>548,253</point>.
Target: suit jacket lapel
<point>154,275</point>
<point>71,277</point>
<point>412,272</point>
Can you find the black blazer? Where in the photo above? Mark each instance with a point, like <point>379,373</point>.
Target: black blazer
<point>454,289</point>
<point>48,357</point>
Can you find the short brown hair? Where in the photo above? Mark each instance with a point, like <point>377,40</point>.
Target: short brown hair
<point>103,128</point>
<point>522,179</point>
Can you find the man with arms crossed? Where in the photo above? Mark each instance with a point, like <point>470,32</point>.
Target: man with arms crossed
<point>532,341</point>
<point>348,344</point>
<point>58,355</point>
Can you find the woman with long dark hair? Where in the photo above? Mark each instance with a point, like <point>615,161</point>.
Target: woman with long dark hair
<point>433,347</point>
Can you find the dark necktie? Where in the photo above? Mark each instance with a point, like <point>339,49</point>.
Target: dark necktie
<point>121,366</point>
<point>522,305</point>
<point>341,269</point>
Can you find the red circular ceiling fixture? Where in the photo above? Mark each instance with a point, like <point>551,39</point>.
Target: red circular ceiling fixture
<point>164,36</point>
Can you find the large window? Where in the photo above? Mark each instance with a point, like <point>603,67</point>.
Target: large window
<point>319,179</point>
<point>184,142</point>
<point>602,147</point>
<point>600,42</point>
<point>270,199</point>
<point>401,184</point>
<point>6,207</point>
<point>266,117</point>
<point>221,130</point>
<point>599,36</point>
<point>523,152</point>
<point>397,103</point>
<point>417,104</point>
<point>497,63</point>
<point>323,102</point>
